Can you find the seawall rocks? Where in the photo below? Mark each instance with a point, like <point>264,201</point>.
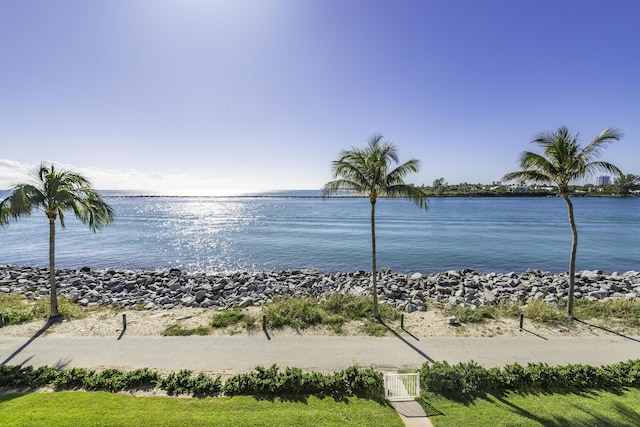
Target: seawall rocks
<point>175,288</point>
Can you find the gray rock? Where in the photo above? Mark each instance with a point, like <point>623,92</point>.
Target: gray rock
<point>245,302</point>
<point>410,308</point>
<point>175,288</point>
<point>200,296</point>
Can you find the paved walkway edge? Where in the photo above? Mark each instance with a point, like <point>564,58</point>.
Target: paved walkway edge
<point>412,414</point>
<point>229,354</point>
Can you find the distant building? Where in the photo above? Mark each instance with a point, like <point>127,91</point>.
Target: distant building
<point>603,180</point>
<point>514,188</point>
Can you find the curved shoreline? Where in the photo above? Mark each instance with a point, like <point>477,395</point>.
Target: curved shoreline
<point>165,289</point>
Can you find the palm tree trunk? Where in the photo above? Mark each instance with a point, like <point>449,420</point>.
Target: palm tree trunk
<point>374,274</point>
<point>574,249</point>
<point>52,270</point>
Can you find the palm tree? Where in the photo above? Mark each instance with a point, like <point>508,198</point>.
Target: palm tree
<point>56,192</point>
<point>367,171</point>
<point>564,161</point>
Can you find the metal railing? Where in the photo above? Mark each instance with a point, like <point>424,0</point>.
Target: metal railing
<point>401,386</point>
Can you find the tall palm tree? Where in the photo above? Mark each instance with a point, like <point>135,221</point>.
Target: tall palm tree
<point>564,161</point>
<point>56,192</point>
<point>367,171</point>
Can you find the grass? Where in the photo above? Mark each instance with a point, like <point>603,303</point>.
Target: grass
<point>612,312</point>
<point>106,409</point>
<point>625,310</point>
<point>592,409</point>
<point>621,311</point>
<point>227,318</point>
<point>535,310</point>
<point>509,309</point>
<point>619,315</point>
<point>355,308</point>
<point>220,320</point>
<point>541,312</point>
<point>300,313</point>
<point>67,309</point>
<point>176,330</point>
<point>334,312</point>
<point>15,309</point>
<point>473,315</point>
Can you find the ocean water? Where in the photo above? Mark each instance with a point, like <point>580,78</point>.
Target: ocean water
<point>291,231</point>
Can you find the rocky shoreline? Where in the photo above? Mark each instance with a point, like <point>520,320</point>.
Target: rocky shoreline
<point>167,289</point>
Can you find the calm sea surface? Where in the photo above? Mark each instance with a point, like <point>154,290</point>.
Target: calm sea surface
<point>282,233</point>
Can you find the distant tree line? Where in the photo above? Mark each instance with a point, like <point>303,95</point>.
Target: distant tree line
<point>623,186</point>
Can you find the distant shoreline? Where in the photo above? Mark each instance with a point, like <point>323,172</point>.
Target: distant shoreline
<point>280,196</point>
<point>315,194</point>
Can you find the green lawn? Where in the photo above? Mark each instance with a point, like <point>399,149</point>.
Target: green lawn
<point>108,409</point>
<point>589,409</point>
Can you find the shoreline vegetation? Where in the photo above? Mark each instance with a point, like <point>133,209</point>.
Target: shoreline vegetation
<point>477,191</point>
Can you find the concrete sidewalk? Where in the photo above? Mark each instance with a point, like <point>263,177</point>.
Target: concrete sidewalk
<point>412,414</point>
<point>230,354</point>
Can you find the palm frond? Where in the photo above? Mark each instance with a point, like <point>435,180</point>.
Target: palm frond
<point>332,187</point>
<point>385,151</point>
<point>350,176</point>
<point>4,213</point>
<point>537,162</point>
<point>528,176</point>
<point>4,216</point>
<point>600,166</point>
<point>61,216</point>
<point>594,149</point>
<point>409,192</point>
<point>22,200</point>
<point>94,211</point>
<point>398,174</point>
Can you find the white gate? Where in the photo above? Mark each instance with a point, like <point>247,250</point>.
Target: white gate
<point>401,386</point>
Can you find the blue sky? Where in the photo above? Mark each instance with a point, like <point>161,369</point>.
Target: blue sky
<point>219,96</point>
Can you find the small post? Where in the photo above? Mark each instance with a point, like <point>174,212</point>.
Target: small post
<point>264,322</point>
<point>124,321</point>
<point>1,320</point>
<point>521,320</point>
<point>402,321</point>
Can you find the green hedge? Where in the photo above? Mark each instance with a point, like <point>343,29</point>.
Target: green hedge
<point>271,381</point>
<point>439,377</point>
<point>183,382</point>
<point>466,378</point>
